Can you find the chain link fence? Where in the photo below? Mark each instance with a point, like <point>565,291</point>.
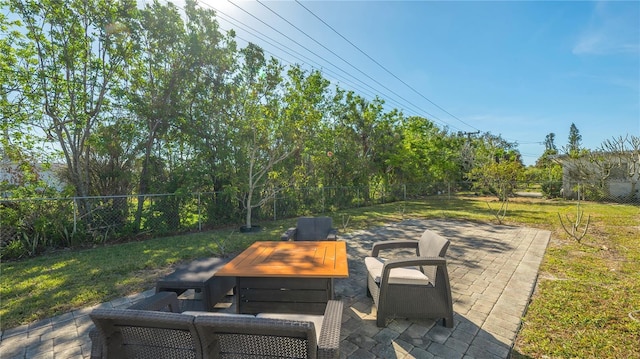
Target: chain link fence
<point>611,191</point>
<point>30,226</point>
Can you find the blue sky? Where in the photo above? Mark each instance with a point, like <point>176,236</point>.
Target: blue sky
<point>514,68</point>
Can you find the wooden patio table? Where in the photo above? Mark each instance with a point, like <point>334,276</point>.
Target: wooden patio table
<point>286,277</point>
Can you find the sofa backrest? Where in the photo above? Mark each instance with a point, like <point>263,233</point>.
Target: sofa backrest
<point>313,228</point>
<point>125,333</point>
<point>249,337</point>
<point>432,244</point>
<point>130,333</point>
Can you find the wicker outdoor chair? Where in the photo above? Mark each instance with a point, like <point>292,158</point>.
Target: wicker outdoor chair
<point>311,229</point>
<point>272,335</point>
<point>411,287</point>
<point>129,333</point>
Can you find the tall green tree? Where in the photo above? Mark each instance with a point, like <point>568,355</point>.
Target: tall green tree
<point>550,151</point>
<point>306,100</point>
<point>358,125</point>
<point>207,125</point>
<point>549,142</point>
<point>201,155</point>
<point>154,94</point>
<point>548,170</point>
<point>499,166</point>
<point>80,50</point>
<point>112,167</point>
<point>575,141</point>
<point>17,143</point>
<point>386,141</point>
<point>259,141</point>
<point>428,154</point>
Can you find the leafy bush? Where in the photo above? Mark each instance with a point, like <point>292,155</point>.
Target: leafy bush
<point>551,189</point>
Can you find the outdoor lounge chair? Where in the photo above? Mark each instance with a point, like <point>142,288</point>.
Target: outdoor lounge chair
<point>311,229</point>
<point>411,287</point>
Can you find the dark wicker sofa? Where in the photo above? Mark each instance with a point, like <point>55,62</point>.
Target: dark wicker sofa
<point>134,333</point>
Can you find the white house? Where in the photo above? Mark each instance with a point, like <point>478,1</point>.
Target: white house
<point>12,175</point>
<point>615,176</point>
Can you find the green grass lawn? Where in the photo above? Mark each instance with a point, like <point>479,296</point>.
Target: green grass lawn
<point>580,308</point>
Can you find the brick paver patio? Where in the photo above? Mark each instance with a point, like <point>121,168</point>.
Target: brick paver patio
<point>492,269</point>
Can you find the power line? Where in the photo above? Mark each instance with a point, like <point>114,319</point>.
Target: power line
<point>252,31</point>
<point>431,116</point>
<point>389,98</point>
<point>383,67</point>
<point>328,49</point>
<point>255,33</point>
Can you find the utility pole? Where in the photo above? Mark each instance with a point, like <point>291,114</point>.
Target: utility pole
<point>468,134</point>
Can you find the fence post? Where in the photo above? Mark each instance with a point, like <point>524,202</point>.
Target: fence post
<point>75,215</point>
<point>199,213</point>
<point>275,198</point>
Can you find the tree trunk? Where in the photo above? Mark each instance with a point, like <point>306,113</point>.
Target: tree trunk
<point>248,218</point>
<point>144,177</point>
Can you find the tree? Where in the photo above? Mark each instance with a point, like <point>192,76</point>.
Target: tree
<point>80,50</point>
<point>499,167</point>
<point>207,122</point>
<point>17,144</point>
<point>428,153</point>
<point>21,149</point>
<point>547,169</point>
<point>549,142</point>
<point>271,118</point>
<point>386,142</point>
<point>154,94</point>
<point>498,171</point>
<point>306,101</point>
<point>203,135</point>
<point>359,123</point>
<point>619,159</point>
<point>550,151</point>
<point>575,140</point>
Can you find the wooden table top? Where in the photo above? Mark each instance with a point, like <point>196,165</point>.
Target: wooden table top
<point>321,259</point>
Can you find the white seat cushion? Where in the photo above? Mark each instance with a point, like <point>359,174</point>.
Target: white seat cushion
<point>403,275</point>
<point>315,319</point>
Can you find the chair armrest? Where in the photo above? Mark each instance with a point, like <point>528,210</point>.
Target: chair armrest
<point>412,262</point>
<point>288,234</point>
<point>159,301</point>
<point>329,342</point>
<point>333,234</point>
<point>393,244</point>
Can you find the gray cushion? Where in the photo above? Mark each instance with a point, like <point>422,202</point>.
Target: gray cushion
<point>403,275</point>
<point>315,319</point>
